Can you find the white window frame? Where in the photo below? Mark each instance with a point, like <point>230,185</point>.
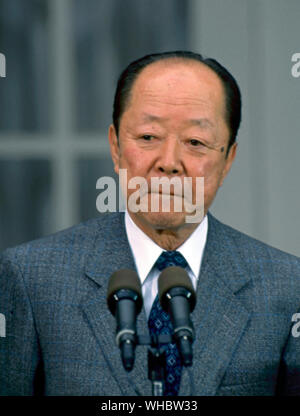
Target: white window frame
<point>63,146</point>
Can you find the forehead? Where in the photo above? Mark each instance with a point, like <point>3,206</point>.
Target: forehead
<point>178,81</point>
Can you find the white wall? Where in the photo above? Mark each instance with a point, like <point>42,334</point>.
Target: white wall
<point>255,41</point>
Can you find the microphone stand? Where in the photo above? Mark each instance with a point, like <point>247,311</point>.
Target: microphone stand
<point>157,370</point>
<point>156,360</point>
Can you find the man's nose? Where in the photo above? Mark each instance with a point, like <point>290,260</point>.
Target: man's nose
<point>169,161</point>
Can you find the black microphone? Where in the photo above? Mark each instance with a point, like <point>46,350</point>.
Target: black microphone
<point>124,299</point>
<point>178,298</point>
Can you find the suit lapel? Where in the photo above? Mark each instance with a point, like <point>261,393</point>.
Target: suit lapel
<point>111,254</point>
<point>219,317</point>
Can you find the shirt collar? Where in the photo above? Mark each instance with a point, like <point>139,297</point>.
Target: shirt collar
<point>145,251</point>
<point>193,248</point>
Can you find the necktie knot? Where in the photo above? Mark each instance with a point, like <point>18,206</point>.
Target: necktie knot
<point>170,258</point>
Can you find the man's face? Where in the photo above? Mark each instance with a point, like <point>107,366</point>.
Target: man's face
<point>174,126</point>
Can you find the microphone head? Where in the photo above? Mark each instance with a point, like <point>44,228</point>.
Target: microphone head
<point>124,280</point>
<point>172,277</point>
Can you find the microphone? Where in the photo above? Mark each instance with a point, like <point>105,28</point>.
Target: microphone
<point>178,298</point>
<point>124,299</point>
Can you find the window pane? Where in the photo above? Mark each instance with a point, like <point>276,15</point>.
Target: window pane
<point>24,93</point>
<point>89,170</point>
<point>25,193</point>
<point>110,34</point>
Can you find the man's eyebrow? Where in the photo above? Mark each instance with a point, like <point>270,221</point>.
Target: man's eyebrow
<point>201,122</point>
<point>151,117</point>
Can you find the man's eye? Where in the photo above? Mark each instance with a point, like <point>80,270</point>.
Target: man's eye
<point>195,142</point>
<point>147,137</point>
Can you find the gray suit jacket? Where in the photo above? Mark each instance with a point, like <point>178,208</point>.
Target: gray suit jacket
<point>60,336</point>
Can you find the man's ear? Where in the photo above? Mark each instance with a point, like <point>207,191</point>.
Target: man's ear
<point>114,147</point>
<point>228,163</point>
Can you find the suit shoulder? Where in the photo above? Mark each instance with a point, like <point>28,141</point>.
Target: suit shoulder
<point>78,238</point>
<point>252,248</point>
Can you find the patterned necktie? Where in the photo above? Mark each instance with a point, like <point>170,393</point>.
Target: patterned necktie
<point>159,323</point>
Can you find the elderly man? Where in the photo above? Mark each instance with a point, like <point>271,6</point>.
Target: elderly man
<point>176,115</point>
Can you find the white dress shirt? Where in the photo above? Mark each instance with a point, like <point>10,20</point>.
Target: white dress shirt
<point>145,253</point>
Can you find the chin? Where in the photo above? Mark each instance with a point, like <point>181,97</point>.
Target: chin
<point>163,220</point>
<point>162,215</point>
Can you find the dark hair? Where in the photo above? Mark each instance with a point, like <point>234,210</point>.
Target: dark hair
<point>232,91</point>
